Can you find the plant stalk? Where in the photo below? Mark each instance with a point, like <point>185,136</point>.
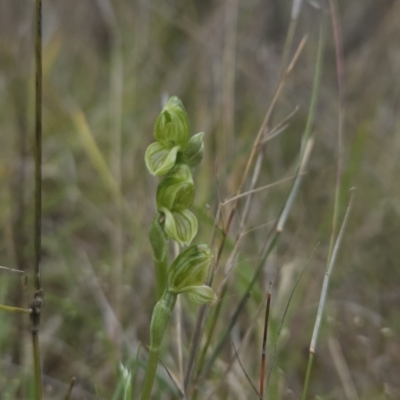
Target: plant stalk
<point>38,142</point>
<point>37,301</point>
<point>159,322</point>
<point>161,268</point>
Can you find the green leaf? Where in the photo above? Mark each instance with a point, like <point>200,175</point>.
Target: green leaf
<point>176,191</point>
<point>190,268</point>
<point>172,125</point>
<point>160,159</point>
<point>180,225</point>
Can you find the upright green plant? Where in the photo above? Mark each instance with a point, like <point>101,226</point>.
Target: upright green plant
<point>174,157</point>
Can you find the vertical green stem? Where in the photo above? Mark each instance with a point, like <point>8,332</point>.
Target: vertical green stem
<point>308,373</point>
<point>38,141</point>
<point>151,369</point>
<point>159,322</point>
<point>37,366</point>
<point>38,298</point>
<point>161,276</point>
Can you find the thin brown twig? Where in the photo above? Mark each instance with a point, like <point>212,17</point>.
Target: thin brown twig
<point>245,373</point>
<point>260,189</point>
<point>264,344</point>
<point>174,379</point>
<point>70,388</point>
<point>18,271</point>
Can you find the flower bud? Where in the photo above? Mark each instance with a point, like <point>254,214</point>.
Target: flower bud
<point>194,152</point>
<point>158,239</point>
<point>160,159</point>
<point>190,268</point>
<point>172,125</point>
<point>180,225</point>
<point>176,191</point>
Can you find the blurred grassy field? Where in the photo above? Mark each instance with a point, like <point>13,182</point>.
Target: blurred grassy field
<point>108,67</point>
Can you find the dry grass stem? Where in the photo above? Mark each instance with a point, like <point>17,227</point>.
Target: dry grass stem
<point>264,344</point>
<point>18,271</point>
<point>342,369</point>
<point>245,372</point>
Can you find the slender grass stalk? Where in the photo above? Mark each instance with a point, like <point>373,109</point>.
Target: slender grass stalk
<point>239,307</point>
<point>38,142</point>
<point>264,344</point>
<point>323,296</point>
<point>340,81</point>
<point>265,253</point>
<point>245,373</point>
<point>116,97</point>
<point>294,17</point>
<point>342,369</point>
<point>221,297</point>
<point>18,271</point>
<point>333,248</point>
<point>228,80</point>
<point>233,358</point>
<point>284,316</point>
<point>37,302</point>
<point>307,144</point>
<point>70,389</point>
<point>15,309</point>
<point>198,331</point>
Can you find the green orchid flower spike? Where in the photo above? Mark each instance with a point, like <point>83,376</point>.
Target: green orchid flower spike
<point>174,156</point>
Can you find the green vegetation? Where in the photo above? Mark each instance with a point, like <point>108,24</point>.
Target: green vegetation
<point>296,103</point>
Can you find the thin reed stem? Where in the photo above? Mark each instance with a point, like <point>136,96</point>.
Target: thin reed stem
<point>294,17</point>
<point>37,366</point>
<point>322,300</point>
<point>264,344</point>
<point>340,82</point>
<point>303,160</point>
<point>37,301</point>
<point>18,271</point>
<point>239,308</point>
<point>70,388</point>
<point>284,316</point>
<point>38,142</point>
<point>15,309</point>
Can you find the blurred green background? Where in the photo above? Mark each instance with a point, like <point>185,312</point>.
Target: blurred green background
<point>108,68</point>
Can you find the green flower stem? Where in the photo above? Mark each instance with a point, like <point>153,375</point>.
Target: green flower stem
<point>159,322</point>
<point>161,276</point>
